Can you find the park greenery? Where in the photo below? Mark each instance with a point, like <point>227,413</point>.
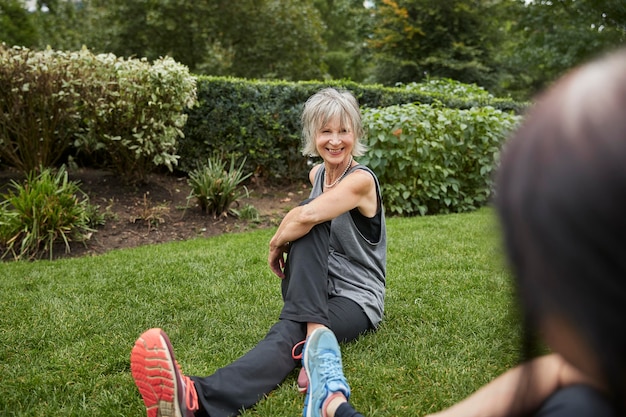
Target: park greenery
<point>434,145</point>
<point>510,47</point>
<point>133,86</point>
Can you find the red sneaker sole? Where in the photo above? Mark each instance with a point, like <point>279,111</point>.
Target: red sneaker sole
<point>151,368</point>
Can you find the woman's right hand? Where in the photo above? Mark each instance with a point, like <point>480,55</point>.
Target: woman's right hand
<point>276,259</point>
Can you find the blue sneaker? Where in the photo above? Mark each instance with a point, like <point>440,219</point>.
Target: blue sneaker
<point>322,362</point>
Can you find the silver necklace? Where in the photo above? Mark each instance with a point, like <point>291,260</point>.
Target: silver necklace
<point>341,176</point>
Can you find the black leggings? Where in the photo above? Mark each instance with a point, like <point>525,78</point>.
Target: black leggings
<point>346,410</point>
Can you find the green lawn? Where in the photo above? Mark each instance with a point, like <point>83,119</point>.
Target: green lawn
<point>67,326</point>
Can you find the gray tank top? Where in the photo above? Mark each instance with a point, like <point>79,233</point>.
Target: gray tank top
<point>357,262</point>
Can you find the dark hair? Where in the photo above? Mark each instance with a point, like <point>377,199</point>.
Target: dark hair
<point>561,198</point>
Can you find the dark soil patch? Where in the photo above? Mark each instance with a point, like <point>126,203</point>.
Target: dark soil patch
<point>159,210</point>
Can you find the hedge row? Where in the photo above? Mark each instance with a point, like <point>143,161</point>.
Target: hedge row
<point>259,120</point>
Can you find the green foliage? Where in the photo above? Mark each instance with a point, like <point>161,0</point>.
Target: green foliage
<point>46,209</point>
<point>258,121</point>
<point>128,112</point>
<point>261,120</point>
<point>215,187</point>
<point>219,37</point>
<point>134,111</point>
<point>291,50</point>
<point>544,39</point>
<point>39,96</point>
<point>511,47</point>
<point>16,25</point>
<point>415,39</point>
<point>435,160</point>
<point>181,29</point>
<point>346,23</point>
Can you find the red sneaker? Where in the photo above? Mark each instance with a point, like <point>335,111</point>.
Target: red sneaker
<point>165,390</point>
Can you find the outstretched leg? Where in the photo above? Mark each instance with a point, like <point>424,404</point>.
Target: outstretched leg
<point>244,382</point>
<point>247,380</point>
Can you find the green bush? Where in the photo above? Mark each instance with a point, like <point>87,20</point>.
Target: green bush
<point>217,188</point>
<point>260,120</point>
<point>46,209</point>
<point>38,107</point>
<point>124,113</point>
<point>433,159</point>
<point>133,111</point>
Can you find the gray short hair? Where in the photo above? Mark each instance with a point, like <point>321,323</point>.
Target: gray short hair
<point>324,105</point>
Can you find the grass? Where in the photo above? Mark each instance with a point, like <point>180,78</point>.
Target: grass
<point>67,326</point>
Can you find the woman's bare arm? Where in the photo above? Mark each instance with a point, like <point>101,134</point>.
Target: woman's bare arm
<point>355,190</point>
<point>520,390</point>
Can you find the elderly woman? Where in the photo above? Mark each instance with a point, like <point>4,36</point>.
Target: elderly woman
<point>330,253</point>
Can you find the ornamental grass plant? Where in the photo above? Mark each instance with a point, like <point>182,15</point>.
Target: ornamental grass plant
<point>216,187</point>
<point>46,209</point>
<point>68,325</point>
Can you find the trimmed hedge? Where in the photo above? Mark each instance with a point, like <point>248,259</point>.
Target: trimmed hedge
<point>433,159</point>
<point>260,120</point>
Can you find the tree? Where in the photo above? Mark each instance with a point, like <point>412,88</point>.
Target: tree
<point>556,35</point>
<point>16,25</point>
<point>59,23</point>
<point>151,28</point>
<point>276,39</point>
<point>347,24</point>
<point>416,39</point>
<point>246,38</point>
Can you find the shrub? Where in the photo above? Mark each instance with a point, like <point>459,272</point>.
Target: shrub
<point>435,160</point>
<point>38,107</point>
<point>46,209</point>
<point>216,188</point>
<point>127,112</point>
<point>134,112</point>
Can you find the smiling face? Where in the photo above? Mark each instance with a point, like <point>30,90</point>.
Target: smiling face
<point>331,110</point>
<point>334,140</point>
